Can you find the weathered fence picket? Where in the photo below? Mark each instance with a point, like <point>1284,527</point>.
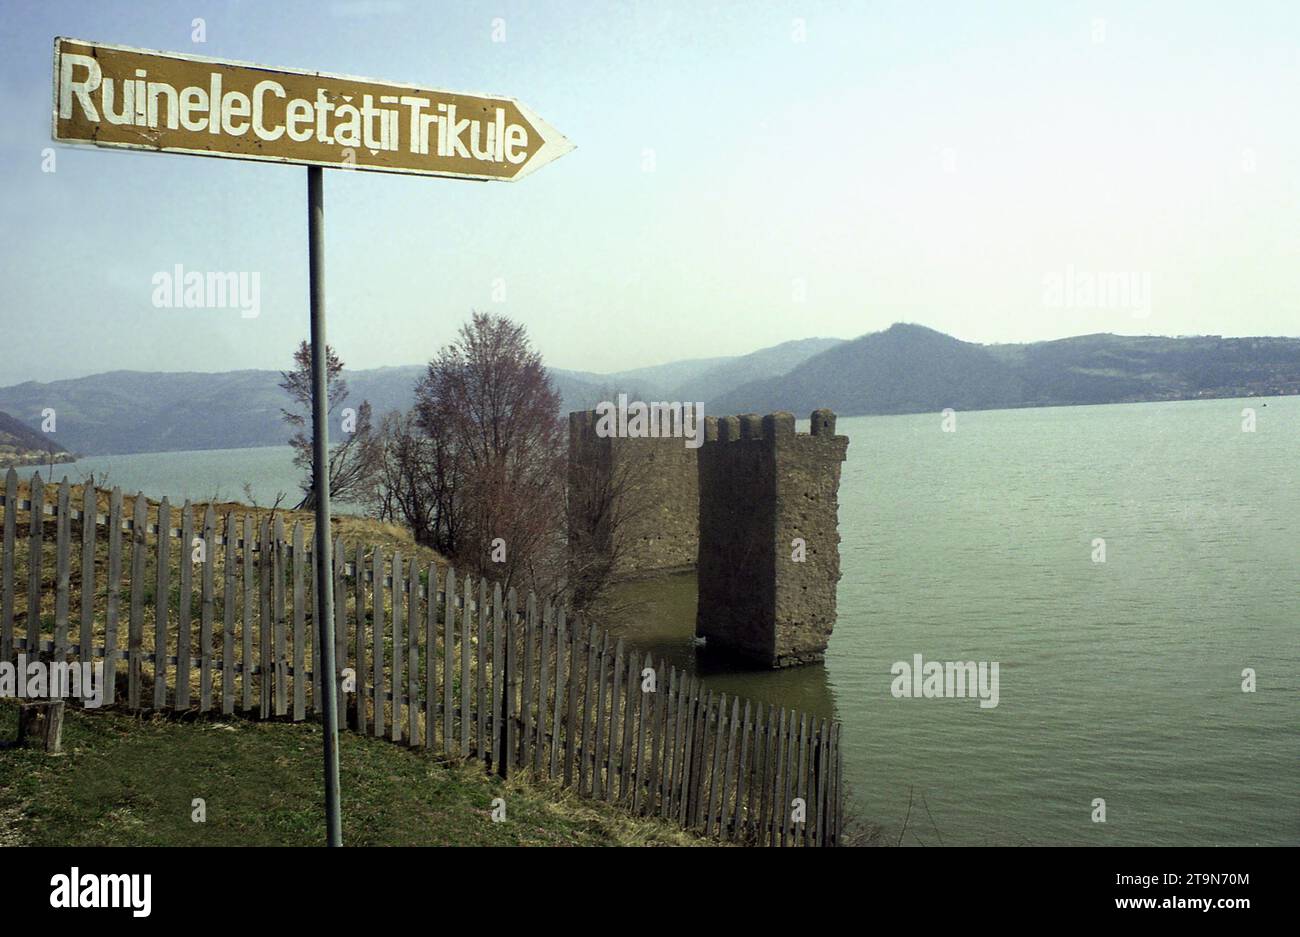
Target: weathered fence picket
<point>89,510</point>
<point>135,627</point>
<point>395,681</point>
<point>448,658</point>
<point>298,559</point>
<point>612,745</point>
<point>227,620</point>
<point>184,607</point>
<point>62,550</point>
<point>277,611</point>
<point>478,695</point>
<point>161,601</point>
<point>246,643</point>
<point>728,766</point>
<point>510,692</point>
<point>672,730</point>
<point>431,662</point>
<point>7,565</point>
<point>571,740</point>
<point>413,653</point>
<point>664,746</point>
<point>586,761</point>
<point>525,700</point>
<point>543,689</point>
<point>264,617</point>
<point>552,736</point>
<point>207,610</point>
<point>643,705</point>
<point>602,720</point>
<point>763,762</point>
<point>699,790</point>
<point>683,778</point>
<point>498,684</point>
<point>465,684</point>
<point>359,663</point>
<point>112,590</point>
<point>798,789</point>
<point>36,562</point>
<point>377,639</point>
<point>340,633</point>
<point>736,828</point>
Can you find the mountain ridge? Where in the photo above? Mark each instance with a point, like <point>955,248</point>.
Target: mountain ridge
<point>910,368</point>
<point>906,368</point>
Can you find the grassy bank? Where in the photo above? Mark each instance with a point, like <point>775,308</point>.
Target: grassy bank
<point>356,532</point>
<point>351,527</point>
<point>131,781</point>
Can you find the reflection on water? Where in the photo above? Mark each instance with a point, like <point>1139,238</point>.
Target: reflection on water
<point>657,615</point>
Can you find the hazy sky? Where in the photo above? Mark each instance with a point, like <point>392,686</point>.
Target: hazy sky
<point>746,174</point>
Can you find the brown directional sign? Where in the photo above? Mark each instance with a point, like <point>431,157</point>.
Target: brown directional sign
<point>115,96</point>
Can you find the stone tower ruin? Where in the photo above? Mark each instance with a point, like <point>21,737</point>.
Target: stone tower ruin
<point>769,558</point>
<point>756,510</point>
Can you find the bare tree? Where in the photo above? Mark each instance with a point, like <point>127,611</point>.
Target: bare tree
<point>417,484</point>
<point>488,400</point>
<point>353,462</point>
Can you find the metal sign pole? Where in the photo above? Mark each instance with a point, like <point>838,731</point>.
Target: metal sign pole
<point>320,484</point>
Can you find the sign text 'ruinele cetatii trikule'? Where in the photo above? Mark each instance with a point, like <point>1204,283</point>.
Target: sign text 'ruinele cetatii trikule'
<point>121,97</point>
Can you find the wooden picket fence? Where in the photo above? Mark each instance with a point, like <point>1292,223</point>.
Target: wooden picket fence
<point>425,657</point>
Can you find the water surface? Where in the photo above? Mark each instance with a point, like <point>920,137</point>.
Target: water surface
<point>1118,680</point>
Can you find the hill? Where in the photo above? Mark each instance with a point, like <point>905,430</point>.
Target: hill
<point>913,369</point>
<point>731,373</point>
<point>693,379</point>
<point>655,381</point>
<point>22,445</point>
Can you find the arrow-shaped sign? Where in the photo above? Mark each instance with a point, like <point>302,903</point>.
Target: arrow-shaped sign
<point>116,96</point>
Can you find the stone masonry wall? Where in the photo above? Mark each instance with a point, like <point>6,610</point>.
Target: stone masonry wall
<point>659,486</point>
<point>807,507</point>
<point>761,487</point>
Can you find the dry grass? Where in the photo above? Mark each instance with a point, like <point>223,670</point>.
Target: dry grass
<point>354,531</point>
<point>352,528</point>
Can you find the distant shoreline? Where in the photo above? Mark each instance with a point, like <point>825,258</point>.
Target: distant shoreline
<point>1028,406</point>
<point>36,460</point>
